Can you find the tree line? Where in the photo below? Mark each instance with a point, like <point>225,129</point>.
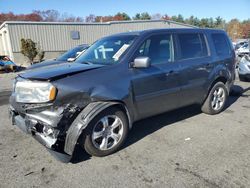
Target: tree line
<point>235,28</point>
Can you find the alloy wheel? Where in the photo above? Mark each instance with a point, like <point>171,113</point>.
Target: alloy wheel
<point>107,132</point>
<point>218,98</point>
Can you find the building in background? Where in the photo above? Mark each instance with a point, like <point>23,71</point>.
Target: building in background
<point>57,37</point>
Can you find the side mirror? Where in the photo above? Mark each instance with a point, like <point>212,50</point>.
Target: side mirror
<point>141,62</point>
<point>71,59</point>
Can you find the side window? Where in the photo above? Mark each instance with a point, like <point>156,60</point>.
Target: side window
<point>221,45</point>
<point>158,48</point>
<point>192,45</point>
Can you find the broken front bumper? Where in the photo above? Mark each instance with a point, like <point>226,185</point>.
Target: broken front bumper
<point>47,141</point>
<point>57,128</point>
<point>44,134</point>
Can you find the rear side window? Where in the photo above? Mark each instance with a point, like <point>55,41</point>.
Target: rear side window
<point>192,45</point>
<point>222,47</point>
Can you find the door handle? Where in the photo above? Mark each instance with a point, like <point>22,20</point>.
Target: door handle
<point>208,65</point>
<point>172,72</point>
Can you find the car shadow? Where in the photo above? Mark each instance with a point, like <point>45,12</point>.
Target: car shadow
<point>150,125</point>
<point>236,92</point>
<point>79,155</point>
<point>145,127</point>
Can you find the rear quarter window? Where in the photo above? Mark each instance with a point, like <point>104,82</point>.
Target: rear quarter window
<point>221,44</point>
<point>192,45</point>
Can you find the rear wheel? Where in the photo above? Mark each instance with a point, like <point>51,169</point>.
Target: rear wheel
<point>106,132</point>
<point>216,99</point>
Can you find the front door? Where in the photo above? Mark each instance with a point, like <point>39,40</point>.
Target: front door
<point>156,88</point>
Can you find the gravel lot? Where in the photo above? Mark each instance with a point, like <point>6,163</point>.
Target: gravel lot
<point>183,148</point>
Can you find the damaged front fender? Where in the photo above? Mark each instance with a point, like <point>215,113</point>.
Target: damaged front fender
<point>82,121</point>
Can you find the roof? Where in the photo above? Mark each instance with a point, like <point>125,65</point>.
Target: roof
<point>87,23</point>
<point>183,30</point>
<point>146,31</point>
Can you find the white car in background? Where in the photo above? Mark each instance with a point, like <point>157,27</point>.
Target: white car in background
<point>244,68</point>
<point>243,50</point>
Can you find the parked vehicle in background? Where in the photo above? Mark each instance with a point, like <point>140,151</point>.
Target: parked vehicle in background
<point>73,53</point>
<point>234,44</point>
<point>69,56</point>
<point>243,50</point>
<point>239,44</point>
<point>244,68</point>
<point>7,65</point>
<point>121,79</point>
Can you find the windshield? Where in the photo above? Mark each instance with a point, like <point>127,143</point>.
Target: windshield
<point>244,45</point>
<point>72,53</point>
<point>107,50</point>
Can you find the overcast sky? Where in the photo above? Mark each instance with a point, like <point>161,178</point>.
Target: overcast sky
<point>227,9</point>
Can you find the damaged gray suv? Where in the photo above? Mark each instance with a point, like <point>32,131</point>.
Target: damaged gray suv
<point>121,79</point>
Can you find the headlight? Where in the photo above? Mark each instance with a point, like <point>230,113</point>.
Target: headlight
<point>34,92</point>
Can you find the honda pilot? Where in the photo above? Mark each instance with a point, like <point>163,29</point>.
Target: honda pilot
<point>119,80</point>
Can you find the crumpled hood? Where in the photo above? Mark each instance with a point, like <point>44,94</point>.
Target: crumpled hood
<point>54,72</point>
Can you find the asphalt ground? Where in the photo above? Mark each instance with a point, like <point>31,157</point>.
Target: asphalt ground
<point>182,148</point>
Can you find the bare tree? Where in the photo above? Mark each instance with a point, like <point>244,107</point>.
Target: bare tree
<point>156,16</point>
<point>49,15</point>
<point>90,18</point>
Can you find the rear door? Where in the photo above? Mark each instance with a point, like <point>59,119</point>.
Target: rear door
<point>196,64</point>
<point>156,87</point>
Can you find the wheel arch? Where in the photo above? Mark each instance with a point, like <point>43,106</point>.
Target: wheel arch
<point>220,78</point>
<point>85,116</point>
<point>221,73</point>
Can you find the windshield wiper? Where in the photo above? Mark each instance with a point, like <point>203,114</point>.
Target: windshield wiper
<point>87,62</point>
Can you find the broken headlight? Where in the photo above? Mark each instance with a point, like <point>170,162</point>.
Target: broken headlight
<point>34,91</point>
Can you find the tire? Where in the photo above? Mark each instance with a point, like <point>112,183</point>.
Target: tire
<point>242,78</point>
<point>101,137</point>
<point>216,99</point>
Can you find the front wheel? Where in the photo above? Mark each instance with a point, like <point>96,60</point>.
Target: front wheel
<point>216,99</point>
<point>106,133</point>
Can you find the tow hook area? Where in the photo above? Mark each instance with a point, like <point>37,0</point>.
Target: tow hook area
<point>45,134</point>
<point>47,126</point>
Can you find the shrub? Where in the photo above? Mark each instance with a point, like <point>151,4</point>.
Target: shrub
<point>40,52</point>
<point>28,49</point>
